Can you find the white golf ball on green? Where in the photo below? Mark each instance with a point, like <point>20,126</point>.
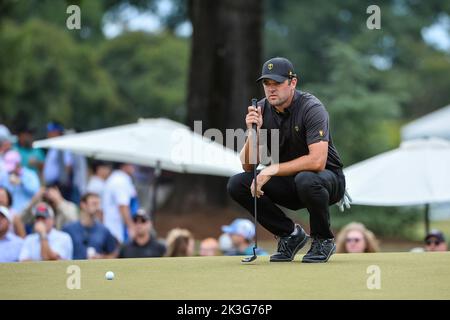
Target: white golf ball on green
<point>109,275</point>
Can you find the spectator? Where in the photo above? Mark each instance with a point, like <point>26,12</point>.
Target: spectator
<point>80,175</point>
<point>6,140</point>
<point>32,158</point>
<point>242,232</point>
<point>16,226</point>
<point>435,241</point>
<point>209,247</point>
<point>10,244</point>
<point>226,245</point>
<point>101,171</point>
<point>117,202</point>
<point>90,238</point>
<point>180,243</point>
<point>355,238</point>
<point>144,245</point>
<point>65,211</point>
<point>58,165</point>
<point>22,182</point>
<point>46,243</point>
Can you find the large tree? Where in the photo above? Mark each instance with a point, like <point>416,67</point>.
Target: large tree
<point>225,60</point>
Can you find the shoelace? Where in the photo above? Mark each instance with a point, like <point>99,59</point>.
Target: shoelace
<point>283,245</point>
<point>316,246</point>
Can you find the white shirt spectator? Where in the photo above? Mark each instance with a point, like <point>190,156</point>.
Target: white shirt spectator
<point>96,185</point>
<point>10,247</point>
<point>60,242</point>
<point>119,190</point>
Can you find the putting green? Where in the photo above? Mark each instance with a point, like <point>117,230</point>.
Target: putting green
<point>402,275</point>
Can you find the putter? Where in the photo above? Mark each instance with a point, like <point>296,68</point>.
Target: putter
<point>252,258</point>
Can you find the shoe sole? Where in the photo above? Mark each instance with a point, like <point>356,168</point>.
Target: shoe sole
<point>297,249</point>
<point>322,261</point>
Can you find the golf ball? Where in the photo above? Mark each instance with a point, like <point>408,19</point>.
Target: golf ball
<point>109,275</point>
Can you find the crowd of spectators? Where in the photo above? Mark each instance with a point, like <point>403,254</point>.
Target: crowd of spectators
<point>53,205</point>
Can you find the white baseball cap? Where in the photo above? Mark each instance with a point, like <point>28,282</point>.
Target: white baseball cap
<point>243,227</point>
<point>5,211</point>
<point>5,135</point>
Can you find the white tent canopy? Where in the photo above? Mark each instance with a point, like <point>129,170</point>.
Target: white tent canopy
<point>417,173</point>
<point>435,124</point>
<point>152,142</point>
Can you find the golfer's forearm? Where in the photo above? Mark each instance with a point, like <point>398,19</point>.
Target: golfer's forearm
<point>247,157</point>
<point>290,168</point>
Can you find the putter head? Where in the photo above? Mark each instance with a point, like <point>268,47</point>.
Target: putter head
<point>252,258</point>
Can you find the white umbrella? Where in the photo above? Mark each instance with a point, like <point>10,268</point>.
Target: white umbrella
<point>159,143</point>
<point>417,173</point>
<point>434,124</point>
<point>150,142</point>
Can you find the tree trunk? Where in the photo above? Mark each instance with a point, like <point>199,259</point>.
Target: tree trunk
<point>225,62</point>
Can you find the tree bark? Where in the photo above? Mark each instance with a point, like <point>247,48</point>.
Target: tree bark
<point>225,62</point>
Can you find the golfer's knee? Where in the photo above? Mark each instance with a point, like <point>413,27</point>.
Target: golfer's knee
<point>236,184</point>
<point>305,182</point>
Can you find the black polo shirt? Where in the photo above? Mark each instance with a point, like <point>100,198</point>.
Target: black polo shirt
<point>303,123</point>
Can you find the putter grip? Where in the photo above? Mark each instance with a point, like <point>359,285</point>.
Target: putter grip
<point>254,102</point>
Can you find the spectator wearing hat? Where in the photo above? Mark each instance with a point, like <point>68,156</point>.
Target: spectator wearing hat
<point>58,164</point>
<point>32,158</point>
<point>180,243</point>
<point>90,238</point>
<point>46,243</point>
<point>10,244</point>
<point>435,241</point>
<point>226,245</point>
<point>65,211</point>
<point>242,232</point>
<point>209,247</point>
<point>144,243</point>
<point>21,182</point>
<point>118,197</point>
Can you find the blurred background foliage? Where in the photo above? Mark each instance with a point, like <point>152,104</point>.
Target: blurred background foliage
<point>371,81</point>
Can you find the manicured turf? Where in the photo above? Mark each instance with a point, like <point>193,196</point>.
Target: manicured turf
<point>403,276</point>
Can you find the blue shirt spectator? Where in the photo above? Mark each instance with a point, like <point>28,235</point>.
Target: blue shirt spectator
<point>10,244</point>
<point>46,243</point>
<point>21,182</point>
<point>96,236</point>
<point>90,238</point>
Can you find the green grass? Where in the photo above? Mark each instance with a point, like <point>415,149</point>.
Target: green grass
<point>403,276</point>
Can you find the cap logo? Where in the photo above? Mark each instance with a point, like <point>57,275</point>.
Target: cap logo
<point>270,66</point>
<point>296,128</point>
<point>321,133</point>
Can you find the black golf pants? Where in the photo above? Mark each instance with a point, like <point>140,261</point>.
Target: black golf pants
<point>315,191</point>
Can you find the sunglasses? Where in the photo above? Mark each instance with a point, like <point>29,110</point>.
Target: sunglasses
<point>139,220</point>
<point>435,242</point>
<point>355,240</point>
